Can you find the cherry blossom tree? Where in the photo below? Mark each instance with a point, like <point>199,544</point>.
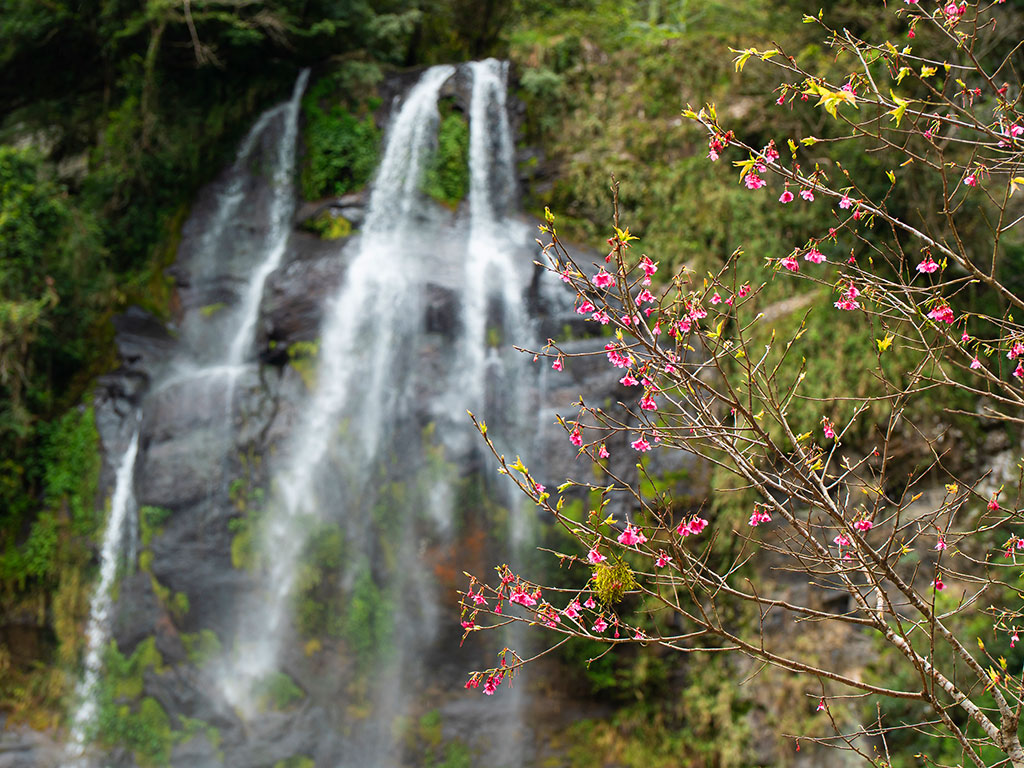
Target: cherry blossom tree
<point>912,541</point>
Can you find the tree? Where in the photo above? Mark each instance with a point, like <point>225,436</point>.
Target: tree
<point>896,534</point>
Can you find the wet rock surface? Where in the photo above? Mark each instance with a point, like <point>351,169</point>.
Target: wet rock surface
<point>209,435</point>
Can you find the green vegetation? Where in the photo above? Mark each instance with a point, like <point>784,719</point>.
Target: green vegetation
<point>426,740</point>
<point>248,501</point>
<point>341,146</point>
<point>302,357</point>
<point>329,226</point>
<point>277,691</point>
<point>296,761</point>
<point>201,646</point>
<point>125,717</point>
<point>447,176</point>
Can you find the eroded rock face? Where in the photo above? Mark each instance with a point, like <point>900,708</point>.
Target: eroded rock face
<point>296,295</point>
<point>211,434</point>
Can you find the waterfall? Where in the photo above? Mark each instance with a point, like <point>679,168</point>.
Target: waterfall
<point>218,341</point>
<point>362,334</point>
<point>122,507</point>
<point>374,446</point>
<point>206,365</point>
<point>282,210</point>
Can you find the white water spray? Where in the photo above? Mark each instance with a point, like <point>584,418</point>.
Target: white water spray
<point>363,332</point>
<point>122,507</point>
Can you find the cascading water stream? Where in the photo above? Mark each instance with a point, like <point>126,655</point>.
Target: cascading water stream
<point>122,507</point>
<point>282,210</point>
<point>363,332</point>
<point>218,344</point>
<point>218,374</point>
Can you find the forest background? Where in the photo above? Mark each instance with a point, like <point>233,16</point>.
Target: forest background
<point>115,112</point>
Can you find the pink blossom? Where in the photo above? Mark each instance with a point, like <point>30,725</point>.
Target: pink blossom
<point>632,536</point>
<point>753,181</point>
<point>576,438</point>
<point>928,266</point>
<point>468,624</point>
<point>600,625</point>
<point>638,635</point>
<point>473,682</point>
<point>790,263</point>
<point>993,504</point>
<point>841,540</point>
<point>744,291</point>
<point>716,299</point>
<point>821,704</point>
<point>594,557</point>
<point>849,301</point>
<point>492,684</point>
<point>1018,372</point>
<point>845,202</point>
<point>975,363</point>
<point>662,560</point>
<point>539,488</point>
<point>557,365</point>
<point>937,585</point>
<point>572,610</point>
<point>1014,638</point>
<point>628,381</point>
<point>942,314</point>
<point>971,180</point>
<point>645,296</point>
<point>615,357</point>
<point>648,266</point>
<point>770,152</point>
<point>807,194</point>
<point>1015,351</point>
<point>590,603</point>
<point>585,308</point>
<point>603,280</point>
<point>640,444</point>
<point>863,525</point>
<point>941,545</point>
<point>1016,130</point>
<point>479,599</point>
<point>786,197</point>
<point>827,428</point>
<point>566,275</point>
<point>603,452</point>
<point>759,516</point>
<point>814,256</point>
<point>522,597</point>
<point>647,403</point>
<point>602,317</point>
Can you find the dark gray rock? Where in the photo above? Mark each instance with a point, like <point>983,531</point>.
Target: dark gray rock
<point>295,295</point>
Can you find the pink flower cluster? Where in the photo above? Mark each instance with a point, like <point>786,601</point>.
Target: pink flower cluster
<point>849,301</point>
<point>760,515</point>
<point>691,527</point>
<point>632,536</point>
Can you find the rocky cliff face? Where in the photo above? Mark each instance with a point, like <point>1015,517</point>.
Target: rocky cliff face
<point>208,442</point>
